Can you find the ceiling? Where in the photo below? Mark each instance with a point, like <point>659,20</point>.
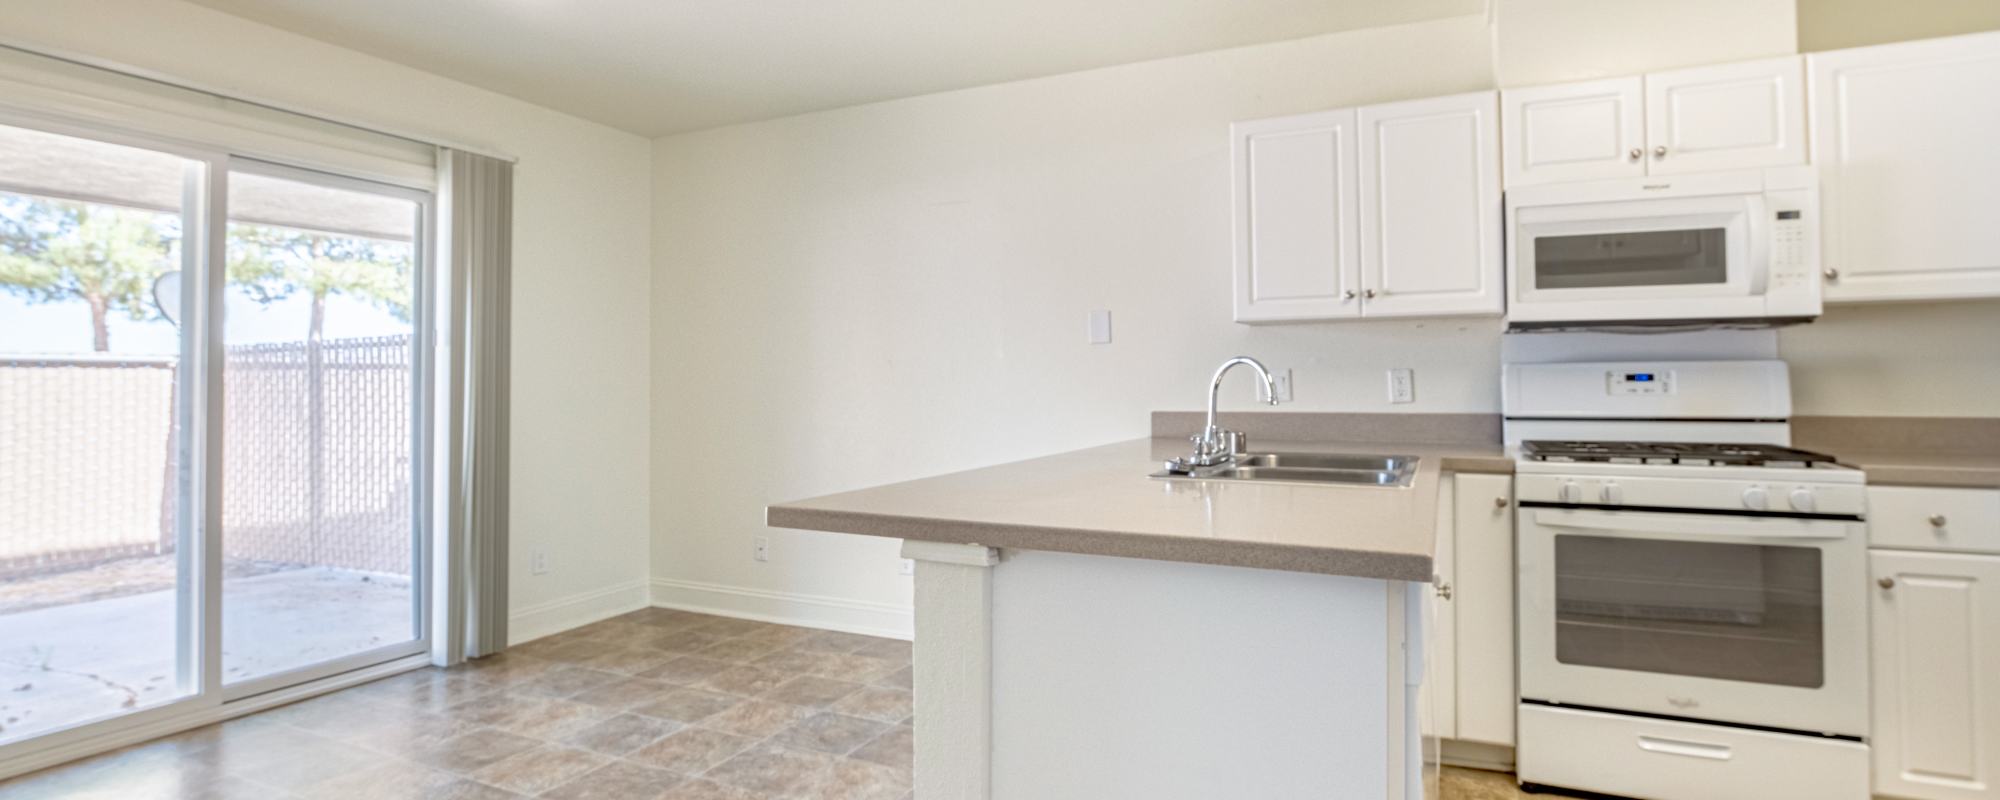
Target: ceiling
<point>656,67</point>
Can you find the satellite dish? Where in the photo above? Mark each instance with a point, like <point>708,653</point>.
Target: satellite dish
<point>167,296</point>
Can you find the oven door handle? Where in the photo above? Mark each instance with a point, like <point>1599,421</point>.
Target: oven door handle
<point>1695,524</point>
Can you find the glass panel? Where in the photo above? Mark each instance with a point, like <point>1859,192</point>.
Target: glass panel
<point>93,558</point>
<point>1729,611</point>
<point>318,520</point>
<point>1649,258</point>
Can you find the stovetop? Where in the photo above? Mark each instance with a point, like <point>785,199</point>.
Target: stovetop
<point>1701,454</point>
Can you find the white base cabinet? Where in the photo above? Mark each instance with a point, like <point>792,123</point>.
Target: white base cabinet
<point>1909,172</point>
<point>1935,625</point>
<point>1936,620</point>
<point>1468,693</point>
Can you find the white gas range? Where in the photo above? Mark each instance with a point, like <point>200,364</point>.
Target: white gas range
<point>1692,619</point>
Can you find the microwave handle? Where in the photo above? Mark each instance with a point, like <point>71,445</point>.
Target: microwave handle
<point>1756,229</point>
<point>1691,524</point>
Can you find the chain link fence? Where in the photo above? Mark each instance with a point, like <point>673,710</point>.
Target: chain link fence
<point>316,457</point>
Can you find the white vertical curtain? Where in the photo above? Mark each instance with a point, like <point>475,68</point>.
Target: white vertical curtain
<point>475,213</point>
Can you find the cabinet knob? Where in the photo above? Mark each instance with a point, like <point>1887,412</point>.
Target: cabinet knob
<point>1347,295</point>
<point>1886,583</point>
<point>1443,589</point>
<point>1660,152</point>
<point>1499,502</point>
<point>1831,274</point>
<point>1937,520</point>
<point>1636,153</point>
<point>1368,294</point>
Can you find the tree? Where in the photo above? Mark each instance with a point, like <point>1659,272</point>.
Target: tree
<point>269,263</point>
<point>58,250</point>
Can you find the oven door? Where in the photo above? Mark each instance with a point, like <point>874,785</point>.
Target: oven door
<point>1668,258</point>
<point>1755,620</point>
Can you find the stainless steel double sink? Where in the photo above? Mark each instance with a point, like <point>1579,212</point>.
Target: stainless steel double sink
<point>1312,468</point>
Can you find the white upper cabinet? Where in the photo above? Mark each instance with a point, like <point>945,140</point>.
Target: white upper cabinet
<point>1430,207</point>
<point>1574,131</point>
<point>1296,256</point>
<point>1904,136</point>
<point>1732,116</point>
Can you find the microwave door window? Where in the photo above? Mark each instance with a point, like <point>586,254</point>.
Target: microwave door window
<point>1632,259</point>
<point>1734,612</point>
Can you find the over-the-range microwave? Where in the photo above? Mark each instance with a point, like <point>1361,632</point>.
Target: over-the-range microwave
<point>1728,248</point>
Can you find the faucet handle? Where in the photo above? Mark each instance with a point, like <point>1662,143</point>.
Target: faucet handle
<point>1236,443</point>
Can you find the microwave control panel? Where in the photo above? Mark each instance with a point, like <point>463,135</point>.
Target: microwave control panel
<point>1789,248</point>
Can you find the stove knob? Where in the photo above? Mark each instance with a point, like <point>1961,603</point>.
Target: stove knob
<point>1569,492</point>
<point>1611,494</point>
<point>1802,499</point>
<point>1756,499</point>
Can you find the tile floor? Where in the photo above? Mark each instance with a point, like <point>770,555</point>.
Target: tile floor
<point>653,705</point>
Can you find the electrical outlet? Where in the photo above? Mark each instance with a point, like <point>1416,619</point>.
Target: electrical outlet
<point>1281,380</point>
<point>908,567</point>
<point>1402,385</point>
<point>538,562</point>
<point>761,548</point>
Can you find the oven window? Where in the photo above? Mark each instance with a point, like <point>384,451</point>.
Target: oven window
<point>1730,611</point>
<point>1648,258</point>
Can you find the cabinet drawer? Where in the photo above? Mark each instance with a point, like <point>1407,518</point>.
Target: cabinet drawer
<point>1670,760</point>
<point>1919,518</point>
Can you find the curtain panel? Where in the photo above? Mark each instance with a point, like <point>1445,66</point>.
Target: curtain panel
<point>475,213</point>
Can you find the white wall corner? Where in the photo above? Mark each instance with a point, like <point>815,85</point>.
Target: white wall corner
<point>786,608</point>
<point>542,619</point>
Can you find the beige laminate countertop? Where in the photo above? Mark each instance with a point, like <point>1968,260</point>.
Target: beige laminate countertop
<point>1912,468</point>
<point>1099,501</point>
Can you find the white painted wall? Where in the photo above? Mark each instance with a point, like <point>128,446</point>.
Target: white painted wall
<point>1552,41</point>
<point>581,267</point>
<point>900,289</point>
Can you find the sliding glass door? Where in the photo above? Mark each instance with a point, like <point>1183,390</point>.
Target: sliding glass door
<point>213,429</point>
<point>320,543</point>
<point>98,602</point>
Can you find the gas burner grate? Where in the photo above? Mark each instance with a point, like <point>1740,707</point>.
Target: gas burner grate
<point>1695,454</point>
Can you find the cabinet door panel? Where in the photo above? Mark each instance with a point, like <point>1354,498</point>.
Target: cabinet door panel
<point>1483,591</point>
<point>1295,218</point>
<point>1574,131</point>
<point>1909,171</point>
<point>1936,656</point>
<point>1430,207</point>
<point>1437,697</point>
<point>1733,116</point>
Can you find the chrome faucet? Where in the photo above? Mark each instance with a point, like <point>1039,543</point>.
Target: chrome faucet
<point>1216,444</point>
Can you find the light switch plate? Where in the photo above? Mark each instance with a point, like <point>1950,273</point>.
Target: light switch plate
<point>1402,385</point>
<point>1100,327</point>
<point>1281,380</point>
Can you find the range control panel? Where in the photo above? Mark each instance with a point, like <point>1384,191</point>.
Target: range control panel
<point>1639,381</point>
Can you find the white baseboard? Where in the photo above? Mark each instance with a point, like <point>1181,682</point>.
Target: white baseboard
<point>786,608</point>
<point>556,616</point>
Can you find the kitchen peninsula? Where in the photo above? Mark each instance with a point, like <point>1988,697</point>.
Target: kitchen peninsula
<point>1085,630</point>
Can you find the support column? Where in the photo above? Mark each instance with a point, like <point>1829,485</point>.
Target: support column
<point>952,669</point>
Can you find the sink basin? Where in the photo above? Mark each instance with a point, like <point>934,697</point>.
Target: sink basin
<point>1340,461</point>
<point>1321,468</point>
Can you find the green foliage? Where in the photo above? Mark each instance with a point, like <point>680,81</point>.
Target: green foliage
<point>54,251</point>
<point>269,263</point>
<point>59,250</point>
